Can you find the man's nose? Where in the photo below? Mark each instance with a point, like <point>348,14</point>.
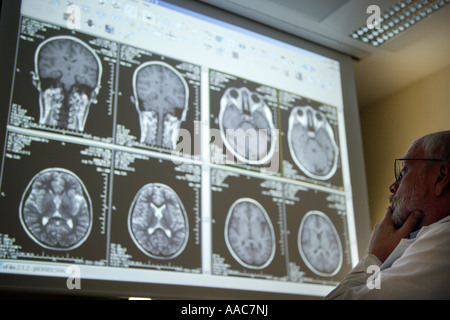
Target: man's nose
<point>393,187</point>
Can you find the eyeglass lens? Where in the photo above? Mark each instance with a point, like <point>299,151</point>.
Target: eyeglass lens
<point>400,163</point>
<point>398,168</point>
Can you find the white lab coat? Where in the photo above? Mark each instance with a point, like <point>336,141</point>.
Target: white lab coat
<point>418,268</point>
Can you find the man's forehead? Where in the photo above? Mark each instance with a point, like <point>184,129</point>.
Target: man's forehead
<point>415,151</point>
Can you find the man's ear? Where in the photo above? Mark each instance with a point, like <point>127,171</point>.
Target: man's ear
<point>443,180</point>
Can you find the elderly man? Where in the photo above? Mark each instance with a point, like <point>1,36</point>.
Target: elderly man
<point>409,251</point>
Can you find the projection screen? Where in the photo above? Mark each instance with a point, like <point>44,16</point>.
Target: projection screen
<point>172,149</point>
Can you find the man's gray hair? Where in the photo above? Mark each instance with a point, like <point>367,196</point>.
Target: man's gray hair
<point>437,145</point>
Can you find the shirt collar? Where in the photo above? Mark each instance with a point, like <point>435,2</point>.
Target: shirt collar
<point>414,234</point>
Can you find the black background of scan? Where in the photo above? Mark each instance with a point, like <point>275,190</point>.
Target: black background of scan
<point>215,97</point>
<point>127,114</point>
<point>125,189</point>
<point>316,200</point>
<point>221,202</point>
<point>99,122</point>
<point>335,181</point>
<point>42,156</point>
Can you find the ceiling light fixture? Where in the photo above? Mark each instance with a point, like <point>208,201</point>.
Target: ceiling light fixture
<point>397,19</point>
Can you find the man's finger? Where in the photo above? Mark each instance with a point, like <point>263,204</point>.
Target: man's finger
<point>387,216</point>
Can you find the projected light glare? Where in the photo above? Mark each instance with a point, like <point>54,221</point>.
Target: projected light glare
<point>397,19</point>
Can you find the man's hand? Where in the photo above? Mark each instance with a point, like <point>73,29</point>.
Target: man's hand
<point>386,237</point>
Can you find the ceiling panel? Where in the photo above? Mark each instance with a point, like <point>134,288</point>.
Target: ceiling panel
<point>317,12</point>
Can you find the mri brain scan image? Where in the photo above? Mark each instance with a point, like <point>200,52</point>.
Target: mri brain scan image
<point>246,125</point>
<point>158,222</point>
<point>312,143</point>
<point>67,75</point>
<point>56,210</point>
<point>249,234</point>
<point>319,244</point>
<point>161,99</point>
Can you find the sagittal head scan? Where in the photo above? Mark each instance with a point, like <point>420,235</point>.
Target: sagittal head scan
<point>56,210</point>
<point>158,222</point>
<point>319,244</point>
<point>246,125</point>
<point>312,143</point>
<point>249,234</point>
<point>161,99</point>
<point>67,75</point>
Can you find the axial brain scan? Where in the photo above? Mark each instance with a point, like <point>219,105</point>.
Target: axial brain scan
<point>246,125</point>
<point>56,210</point>
<point>312,143</point>
<point>249,234</point>
<point>67,75</point>
<point>158,222</point>
<point>319,244</point>
<point>161,100</point>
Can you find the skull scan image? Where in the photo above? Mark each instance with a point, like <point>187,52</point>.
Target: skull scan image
<point>246,125</point>
<point>157,222</point>
<point>249,234</point>
<point>161,99</point>
<point>312,143</point>
<point>56,210</point>
<point>319,244</point>
<point>67,75</point>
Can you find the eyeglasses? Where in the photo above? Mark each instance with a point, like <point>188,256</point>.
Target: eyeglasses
<point>400,163</point>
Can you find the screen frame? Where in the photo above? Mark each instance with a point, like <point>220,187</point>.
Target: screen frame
<point>10,15</point>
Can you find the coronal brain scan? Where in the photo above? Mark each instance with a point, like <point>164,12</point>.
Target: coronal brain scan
<point>319,244</point>
<point>56,210</point>
<point>312,142</point>
<point>67,75</point>
<point>246,125</point>
<point>161,99</point>
<point>249,234</point>
<point>158,222</point>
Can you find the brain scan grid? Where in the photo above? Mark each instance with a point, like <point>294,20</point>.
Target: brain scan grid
<point>89,174</point>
